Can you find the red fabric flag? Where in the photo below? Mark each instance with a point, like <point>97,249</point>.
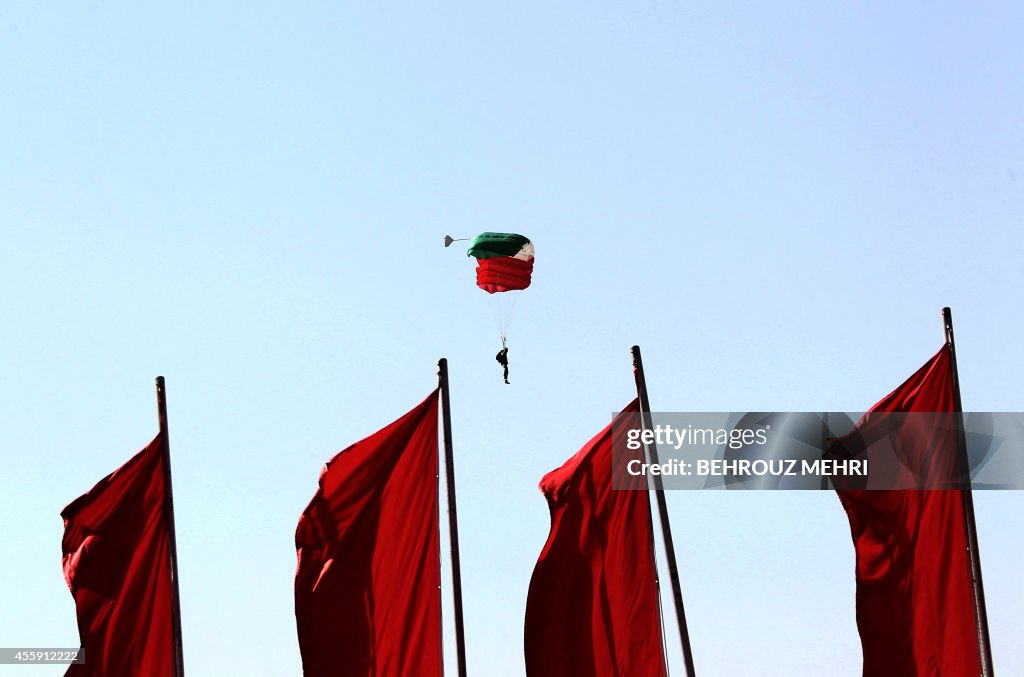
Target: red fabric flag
<point>367,586</point>
<point>915,609</point>
<point>593,607</point>
<point>116,564</point>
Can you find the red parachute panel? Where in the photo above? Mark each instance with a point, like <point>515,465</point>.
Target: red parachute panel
<point>502,273</point>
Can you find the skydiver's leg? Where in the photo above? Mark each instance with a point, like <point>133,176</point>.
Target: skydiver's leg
<point>506,373</point>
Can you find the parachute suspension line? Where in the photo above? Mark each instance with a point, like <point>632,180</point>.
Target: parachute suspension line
<point>498,310</point>
<point>495,306</point>
<point>502,306</point>
<point>511,299</point>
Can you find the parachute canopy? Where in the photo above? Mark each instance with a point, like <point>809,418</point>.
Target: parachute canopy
<point>504,261</point>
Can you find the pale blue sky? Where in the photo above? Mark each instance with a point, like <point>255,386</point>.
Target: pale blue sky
<point>774,200</point>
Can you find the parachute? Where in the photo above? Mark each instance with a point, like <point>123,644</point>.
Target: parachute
<point>504,261</point>
<point>504,267</point>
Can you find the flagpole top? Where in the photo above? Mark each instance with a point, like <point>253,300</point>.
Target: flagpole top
<point>947,324</point>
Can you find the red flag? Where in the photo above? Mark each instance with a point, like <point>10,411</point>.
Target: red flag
<point>116,564</point>
<point>593,607</point>
<point>367,586</point>
<point>915,608</point>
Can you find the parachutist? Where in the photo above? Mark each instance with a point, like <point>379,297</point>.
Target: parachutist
<point>502,358</point>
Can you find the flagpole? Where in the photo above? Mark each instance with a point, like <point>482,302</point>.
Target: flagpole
<point>666,530</point>
<point>970,527</point>
<point>453,520</point>
<point>172,545</point>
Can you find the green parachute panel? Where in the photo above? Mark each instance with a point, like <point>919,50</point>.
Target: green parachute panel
<point>489,245</point>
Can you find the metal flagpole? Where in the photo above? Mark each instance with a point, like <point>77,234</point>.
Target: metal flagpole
<point>970,528</point>
<point>453,520</point>
<point>666,530</point>
<point>172,546</point>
